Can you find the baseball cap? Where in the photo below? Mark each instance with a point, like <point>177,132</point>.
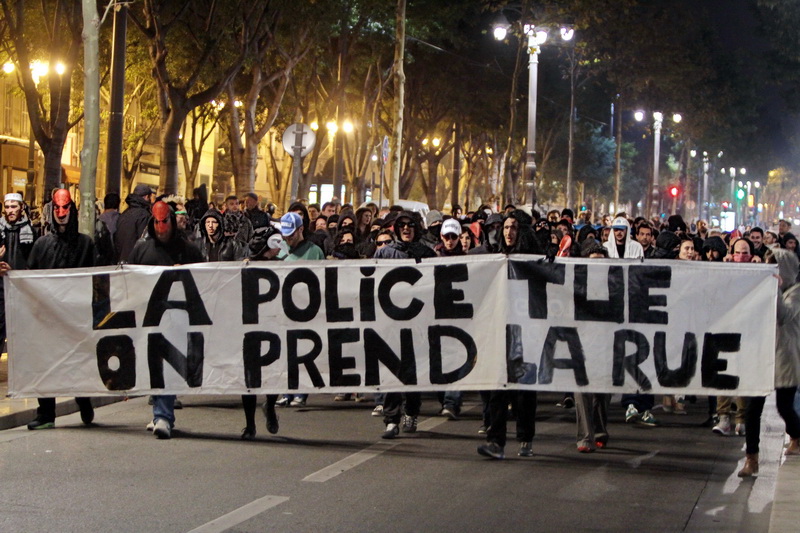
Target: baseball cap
<point>290,222</point>
<point>142,190</point>
<point>451,225</point>
<point>619,223</point>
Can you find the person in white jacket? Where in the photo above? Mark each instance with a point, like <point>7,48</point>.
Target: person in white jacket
<point>619,244</point>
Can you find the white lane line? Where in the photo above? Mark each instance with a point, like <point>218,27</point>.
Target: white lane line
<point>242,514</point>
<point>352,461</point>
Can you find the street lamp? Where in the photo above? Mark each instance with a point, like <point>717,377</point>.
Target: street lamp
<point>536,37</point>
<point>658,120</point>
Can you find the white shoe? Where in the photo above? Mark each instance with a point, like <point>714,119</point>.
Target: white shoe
<point>161,429</point>
<point>723,427</point>
<point>378,411</point>
<point>150,425</point>
<point>740,430</point>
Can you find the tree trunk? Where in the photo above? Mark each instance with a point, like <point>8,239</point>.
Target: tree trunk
<point>399,95</point>
<point>91,105</point>
<point>246,179</point>
<point>170,139</point>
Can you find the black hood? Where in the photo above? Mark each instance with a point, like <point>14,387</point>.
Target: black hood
<point>212,213</point>
<point>151,230</point>
<point>134,200</point>
<point>71,231</point>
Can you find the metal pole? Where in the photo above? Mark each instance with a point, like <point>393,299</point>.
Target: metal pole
<point>297,170</point>
<point>116,118</point>
<point>533,80</point>
<point>656,153</point>
<point>571,141</point>
<point>456,164</point>
<point>30,185</point>
<point>704,203</point>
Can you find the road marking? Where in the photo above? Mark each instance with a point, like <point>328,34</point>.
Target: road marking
<point>242,514</point>
<point>352,461</point>
<point>636,462</point>
<point>349,462</point>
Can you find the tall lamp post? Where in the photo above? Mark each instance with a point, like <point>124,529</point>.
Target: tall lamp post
<point>536,37</point>
<point>658,120</point>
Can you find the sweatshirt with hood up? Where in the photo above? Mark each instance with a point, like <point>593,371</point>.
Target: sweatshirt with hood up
<point>632,249</point>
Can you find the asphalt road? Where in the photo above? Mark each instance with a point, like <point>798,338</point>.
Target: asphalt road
<point>328,470</point>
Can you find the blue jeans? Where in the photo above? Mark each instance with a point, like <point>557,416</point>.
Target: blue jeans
<point>452,401</point>
<point>164,407</point>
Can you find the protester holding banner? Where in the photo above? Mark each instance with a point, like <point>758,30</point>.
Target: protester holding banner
<point>165,247</point>
<point>63,248</point>
<point>406,247</point>
<point>518,238</point>
<point>214,244</point>
<point>16,239</point>
<point>787,365</point>
<point>620,244</point>
<point>591,409</point>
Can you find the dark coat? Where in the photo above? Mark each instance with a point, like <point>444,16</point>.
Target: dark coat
<point>177,251</point>
<point>131,225</point>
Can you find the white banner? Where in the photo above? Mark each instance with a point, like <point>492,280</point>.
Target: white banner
<point>367,326</point>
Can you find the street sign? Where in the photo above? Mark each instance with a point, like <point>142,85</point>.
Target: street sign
<point>299,136</point>
<point>385,149</point>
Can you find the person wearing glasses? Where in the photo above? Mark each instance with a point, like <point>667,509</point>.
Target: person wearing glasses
<point>407,246</point>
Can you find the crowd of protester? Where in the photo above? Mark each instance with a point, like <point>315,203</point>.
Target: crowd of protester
<point>171,230</point>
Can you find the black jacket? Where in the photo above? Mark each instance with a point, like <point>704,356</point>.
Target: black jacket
<point>226,248</point>
<point>131,225</point>
<point>67,249</point>
<point>19,238</point>
<point>177,251</point>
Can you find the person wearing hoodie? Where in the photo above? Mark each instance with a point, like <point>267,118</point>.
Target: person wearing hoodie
<point>668,245</point>
<point>64,247</point>
<point>714,249</point>
<point>214,244</point>
<point>433,223</point>
<point>164,247</point>
<point>518,238</point>
<point>16,242</point>
<point>620,245</point>
<point>492,235</point>
<point>131,224</point>
<point>787,365</point>
<point>407,245</point>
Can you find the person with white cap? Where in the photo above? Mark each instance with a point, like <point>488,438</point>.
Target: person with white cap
<point>17,237</point>
<point>620,245</point>
<point>449,244</point>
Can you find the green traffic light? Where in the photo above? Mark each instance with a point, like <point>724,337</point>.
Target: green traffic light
<point>740,194</point>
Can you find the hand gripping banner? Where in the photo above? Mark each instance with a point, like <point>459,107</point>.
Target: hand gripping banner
<point>470,323</point>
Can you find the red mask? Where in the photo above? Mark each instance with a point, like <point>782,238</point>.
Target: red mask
<point>61,205</point>
<point>742,258</point>
<point>162,221</point>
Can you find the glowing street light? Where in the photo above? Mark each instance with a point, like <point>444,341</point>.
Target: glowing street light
<point>61,68</point>
<point>314,125</point>
<point>332,127</point>
<point>347,127</point>
<point>436,142</point>
<point>8,68</point>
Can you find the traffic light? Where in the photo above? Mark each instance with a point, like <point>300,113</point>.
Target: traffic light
<point>725,206</point>
<point>674,191</point>
<point>740,192</point>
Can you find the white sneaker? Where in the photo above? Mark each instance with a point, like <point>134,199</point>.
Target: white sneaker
<point>298,402</point>
<point>723,427</point>
<point>150,425</point>
<point>161,429</point>
<point>740,431</point>
<point>378,411</point>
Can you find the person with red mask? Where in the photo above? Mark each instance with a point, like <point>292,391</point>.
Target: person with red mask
<point>165,247</point>
<point>64,247</point>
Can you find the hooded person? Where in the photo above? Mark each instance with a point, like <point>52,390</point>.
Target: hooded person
<point>63,248</point>
<point>165,246</point>
<point>524,241</point>
<point>433,225</point>
<point>214,244</point>
<point>714,249</point>
<point>667,245</point>
<point>620,245</point>
<point>787,366</point>
<point>132,223</point>
<point>492,234</point>
<point>407,245</point>
<point>344,245</point>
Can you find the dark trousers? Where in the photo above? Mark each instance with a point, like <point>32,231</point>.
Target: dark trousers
<point>784,400</point>
<point>498,415</point>
<point>393,406</point>
<point>250,402</point>
<point>47,408</point>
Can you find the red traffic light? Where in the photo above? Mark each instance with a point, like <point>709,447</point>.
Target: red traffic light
<point>674,191</point>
